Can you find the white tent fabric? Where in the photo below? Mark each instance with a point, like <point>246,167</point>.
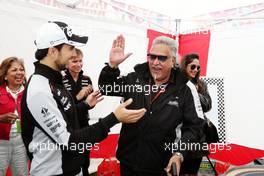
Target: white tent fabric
<point>20,21</point>
<point>235,53</point>
<point>188,9</point>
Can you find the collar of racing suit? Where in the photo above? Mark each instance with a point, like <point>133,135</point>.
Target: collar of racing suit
<point>48,72</point>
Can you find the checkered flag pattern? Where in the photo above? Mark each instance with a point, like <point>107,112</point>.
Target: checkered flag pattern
<point>219,82</point>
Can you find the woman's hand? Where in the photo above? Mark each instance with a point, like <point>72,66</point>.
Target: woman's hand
<point>8,117</point>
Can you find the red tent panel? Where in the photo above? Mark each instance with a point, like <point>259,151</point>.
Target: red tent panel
<point>196,43</point>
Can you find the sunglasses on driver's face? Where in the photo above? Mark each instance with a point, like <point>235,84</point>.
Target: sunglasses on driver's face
<point>159,57</point>
<point>194,67</point>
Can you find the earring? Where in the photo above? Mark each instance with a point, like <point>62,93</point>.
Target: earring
<point>5,78</point>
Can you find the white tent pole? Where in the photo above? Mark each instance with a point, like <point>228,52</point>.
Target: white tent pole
<point>177,34</point>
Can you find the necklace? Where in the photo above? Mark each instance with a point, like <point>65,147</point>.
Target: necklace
<point>15,91</point>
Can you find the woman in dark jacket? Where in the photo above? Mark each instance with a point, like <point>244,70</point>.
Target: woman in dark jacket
<point>190,66</point>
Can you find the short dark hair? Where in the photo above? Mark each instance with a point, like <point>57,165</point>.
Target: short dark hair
<point>41,53</point>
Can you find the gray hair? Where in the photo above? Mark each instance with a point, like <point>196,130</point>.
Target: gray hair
<point>166,41</point>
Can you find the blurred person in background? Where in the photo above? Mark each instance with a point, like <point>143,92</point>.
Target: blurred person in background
<point>80,86</point>
<point>12,149</point>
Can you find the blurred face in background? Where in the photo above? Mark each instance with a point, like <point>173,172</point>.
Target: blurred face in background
<point>75,64</point>
<point>193,68</point>
<point>15,74</point>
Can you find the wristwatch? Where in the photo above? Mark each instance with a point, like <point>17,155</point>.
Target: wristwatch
<point>179,154</point>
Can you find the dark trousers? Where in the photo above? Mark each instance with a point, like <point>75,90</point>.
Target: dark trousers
<point>86,154</point>
<point>86,163</point>
<point>190,166</point>
<point>129,171</point>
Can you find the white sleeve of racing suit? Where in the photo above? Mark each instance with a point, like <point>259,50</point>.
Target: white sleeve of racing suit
<point>45,111</point>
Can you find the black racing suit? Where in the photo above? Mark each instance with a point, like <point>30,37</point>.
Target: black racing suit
<point>74,87</point>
